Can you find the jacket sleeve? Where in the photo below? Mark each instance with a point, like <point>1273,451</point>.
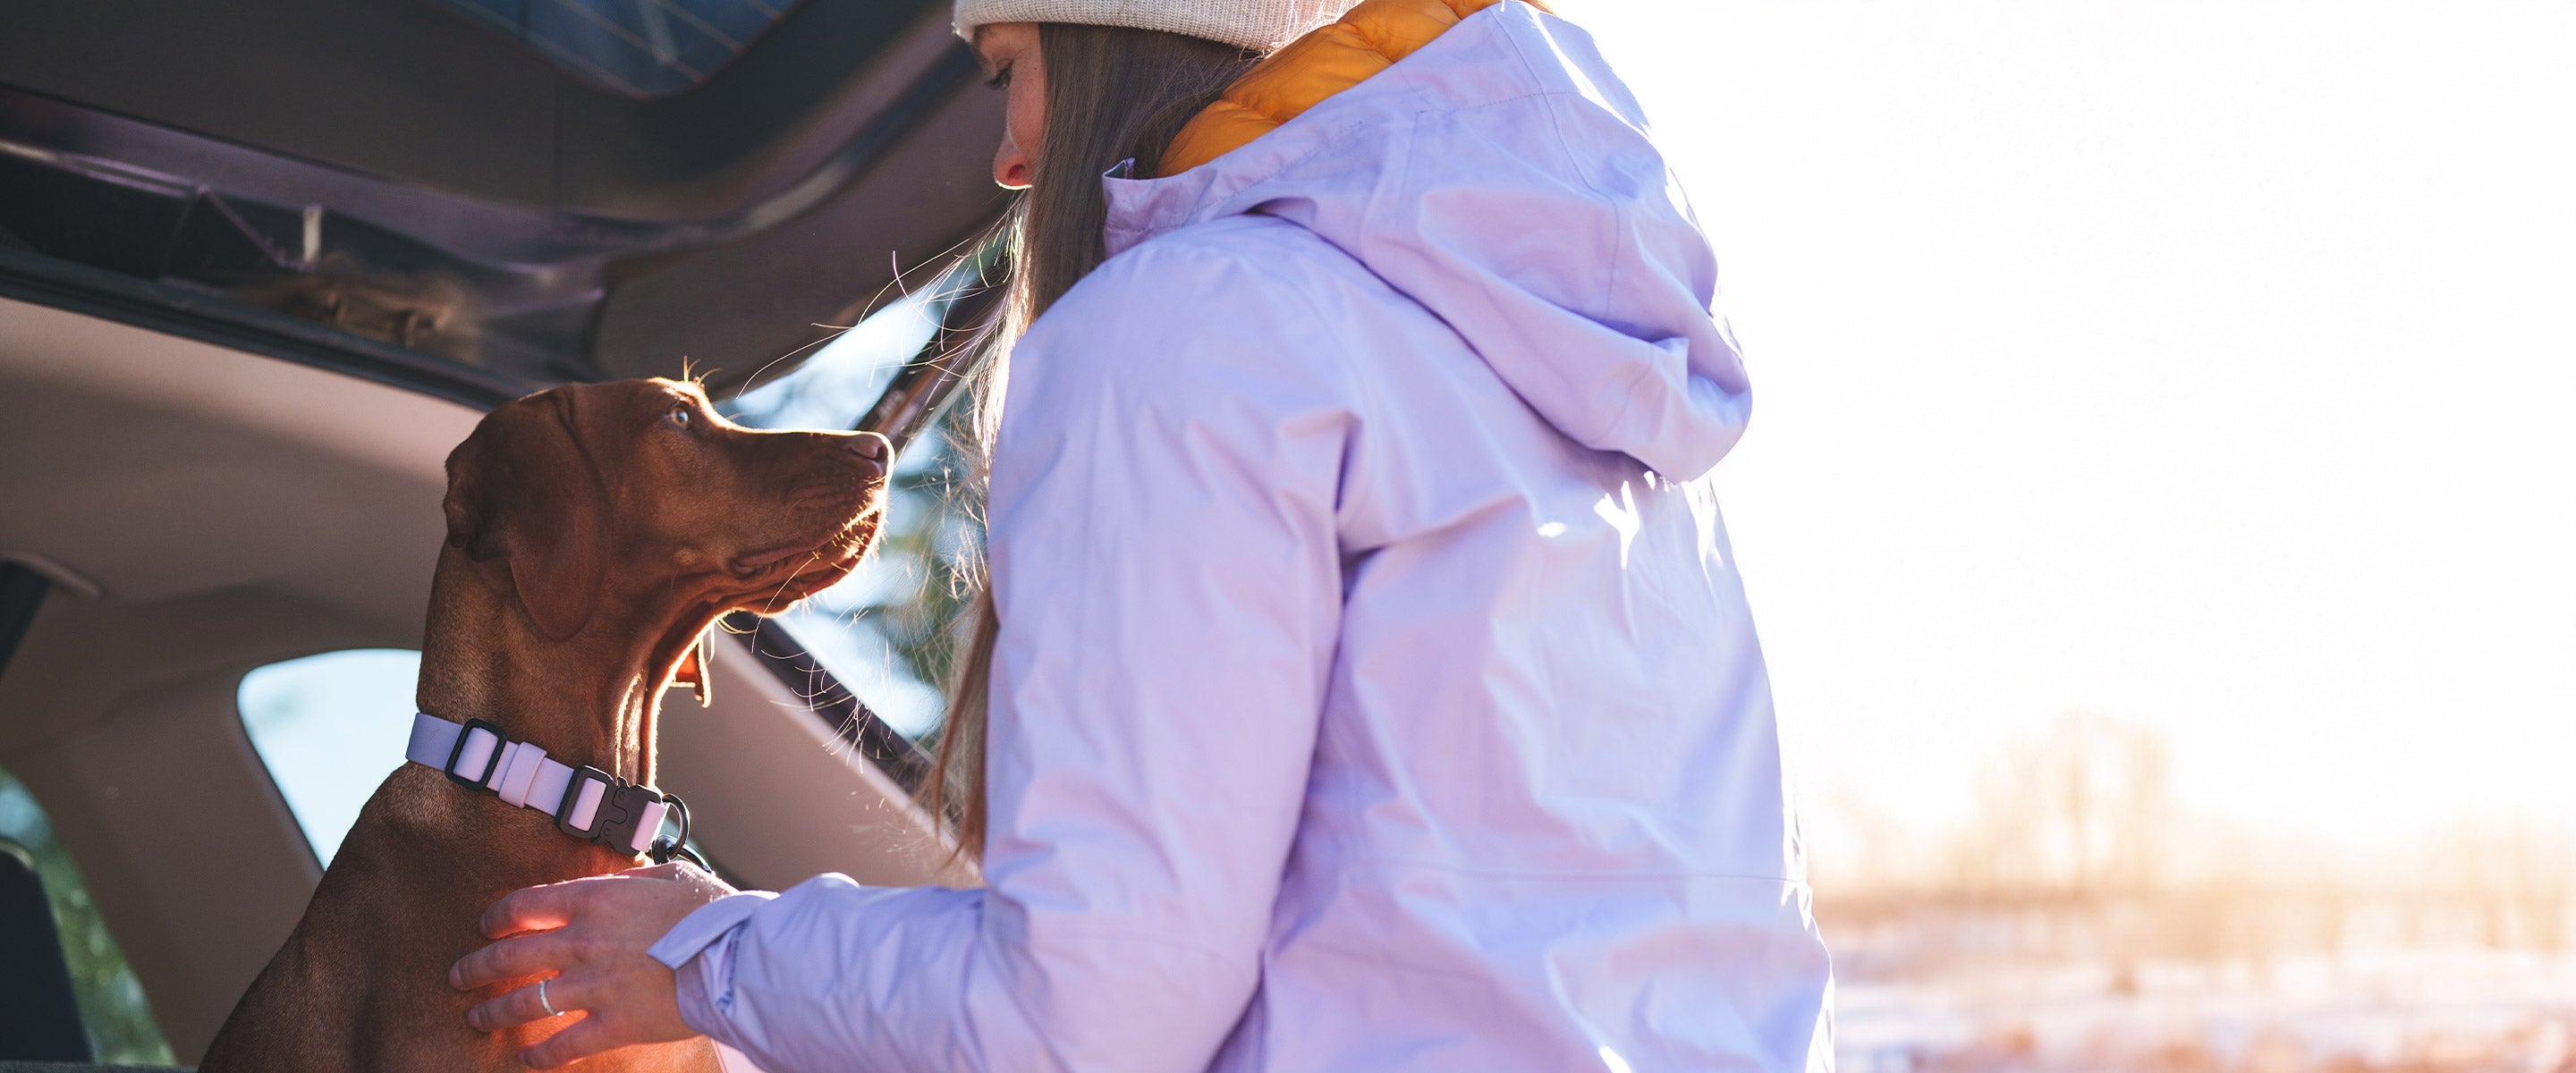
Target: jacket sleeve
<point>1165,566</point>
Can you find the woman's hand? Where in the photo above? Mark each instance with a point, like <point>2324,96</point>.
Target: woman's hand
<point>588,936</point>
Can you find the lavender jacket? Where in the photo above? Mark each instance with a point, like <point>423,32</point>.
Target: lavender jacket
<point>1375,688</point>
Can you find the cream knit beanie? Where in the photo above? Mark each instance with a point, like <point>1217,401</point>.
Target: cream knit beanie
<point>1261,25</point>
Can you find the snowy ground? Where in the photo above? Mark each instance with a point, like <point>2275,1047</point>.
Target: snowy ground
<point>2456,1010</point>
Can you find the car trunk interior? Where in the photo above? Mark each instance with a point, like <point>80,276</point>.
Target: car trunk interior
<point>263,263</point>
<point>203,511</point>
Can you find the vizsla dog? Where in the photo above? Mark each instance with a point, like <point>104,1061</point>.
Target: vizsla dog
<point>594,533</point>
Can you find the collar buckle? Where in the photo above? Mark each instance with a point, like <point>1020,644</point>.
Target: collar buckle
<point>572,800</point>
<point>620,810</point>
<point>491,763</point>
<point>625,817</point>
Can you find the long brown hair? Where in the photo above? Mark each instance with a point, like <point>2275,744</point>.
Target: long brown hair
<point>1113,94</point>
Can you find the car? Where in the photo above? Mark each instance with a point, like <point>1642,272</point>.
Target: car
<point>263,263</point>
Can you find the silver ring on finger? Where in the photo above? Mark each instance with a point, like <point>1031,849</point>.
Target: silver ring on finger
<point>550,1009</point>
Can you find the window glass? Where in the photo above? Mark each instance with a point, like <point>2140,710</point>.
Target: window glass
<point>330,728</point>
<point>641,48</point>
<point>121,1028</point>
<point>834,387</point>
<point>886,632</point>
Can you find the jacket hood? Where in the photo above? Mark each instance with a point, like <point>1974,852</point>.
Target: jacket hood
<point>1502,176</point>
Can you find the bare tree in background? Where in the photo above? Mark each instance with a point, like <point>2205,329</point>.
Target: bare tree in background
<point>2081,810</point>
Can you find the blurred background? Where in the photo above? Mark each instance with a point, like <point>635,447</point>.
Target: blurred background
<point>2158,512</point>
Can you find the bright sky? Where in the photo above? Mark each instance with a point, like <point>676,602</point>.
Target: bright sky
<point>2203,365</point>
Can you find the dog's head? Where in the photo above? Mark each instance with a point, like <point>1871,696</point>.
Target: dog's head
<point>635,495</point>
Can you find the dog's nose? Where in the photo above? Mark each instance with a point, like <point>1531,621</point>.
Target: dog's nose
<point>871,448</point>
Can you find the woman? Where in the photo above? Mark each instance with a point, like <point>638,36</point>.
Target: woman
<point>1369,683</point>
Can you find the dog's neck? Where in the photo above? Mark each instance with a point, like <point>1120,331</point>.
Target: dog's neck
<point>593,698</point>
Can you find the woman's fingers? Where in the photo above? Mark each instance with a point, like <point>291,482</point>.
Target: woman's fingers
<point>526,955</point>
<point>535,908</point>
<point>670,869</point>
<point>580,1039</point>
<point>592,938</point>
<point>527,1004</point>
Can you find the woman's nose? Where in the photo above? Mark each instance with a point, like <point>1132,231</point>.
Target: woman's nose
<point>1011,166</point>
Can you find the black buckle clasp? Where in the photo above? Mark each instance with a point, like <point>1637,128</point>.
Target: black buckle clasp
<point>621,809</point>
<point>456,752</point>
<point>572,798</point>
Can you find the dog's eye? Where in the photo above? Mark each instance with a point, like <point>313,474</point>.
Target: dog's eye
<point>680,417</point>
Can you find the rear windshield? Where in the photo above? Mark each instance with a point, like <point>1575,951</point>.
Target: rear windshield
<point>642,48</point>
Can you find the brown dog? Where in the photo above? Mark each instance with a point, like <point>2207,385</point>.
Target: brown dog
<point>594,533</point>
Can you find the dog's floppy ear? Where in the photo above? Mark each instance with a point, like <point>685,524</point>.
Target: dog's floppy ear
<point>693,667</point>
<point>523,487</point>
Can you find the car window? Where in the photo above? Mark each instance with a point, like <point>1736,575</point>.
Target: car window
<point>330,728</point>
<point>641,48</point>
<point>885,633</point>
<point>121,1028</point>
